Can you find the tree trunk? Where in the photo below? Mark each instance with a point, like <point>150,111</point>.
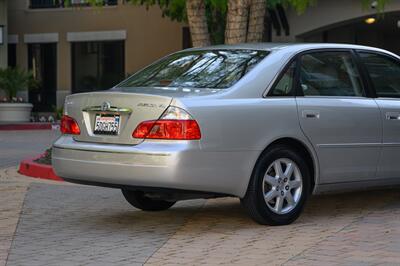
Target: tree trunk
<point>236,21</point>
<point>196,14</point>
<point>256,21</point>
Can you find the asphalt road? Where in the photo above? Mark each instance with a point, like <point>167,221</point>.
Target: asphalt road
<point>21,144</point>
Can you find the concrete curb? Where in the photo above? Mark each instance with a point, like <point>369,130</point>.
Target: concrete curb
<point>29,168</point>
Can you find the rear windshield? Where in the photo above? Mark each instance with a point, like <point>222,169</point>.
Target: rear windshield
<point>197,69</point>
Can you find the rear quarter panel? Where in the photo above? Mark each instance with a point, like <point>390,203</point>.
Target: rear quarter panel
<point>235,125</point>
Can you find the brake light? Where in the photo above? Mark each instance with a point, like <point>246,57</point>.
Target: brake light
<point>174,124</point>
<point>69,126</point>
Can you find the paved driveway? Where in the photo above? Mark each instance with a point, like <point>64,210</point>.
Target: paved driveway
<point>63,224</point>
<point>55,223</point>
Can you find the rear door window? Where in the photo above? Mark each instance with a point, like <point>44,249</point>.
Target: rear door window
<point>384,73</point>
<point>330,73</point>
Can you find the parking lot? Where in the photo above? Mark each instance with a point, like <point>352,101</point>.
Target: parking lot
<point>55,223</point>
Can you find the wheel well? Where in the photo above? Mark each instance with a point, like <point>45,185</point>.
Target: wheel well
<point>301,148</point>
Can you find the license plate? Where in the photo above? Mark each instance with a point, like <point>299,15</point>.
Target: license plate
<point>107,124</point>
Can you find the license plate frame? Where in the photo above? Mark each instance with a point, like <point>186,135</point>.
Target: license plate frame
<point>107,124</point>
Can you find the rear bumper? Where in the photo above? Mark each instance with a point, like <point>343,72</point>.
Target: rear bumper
<point>175,165</point>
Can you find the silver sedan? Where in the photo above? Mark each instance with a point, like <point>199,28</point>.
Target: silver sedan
<point>268,123</point>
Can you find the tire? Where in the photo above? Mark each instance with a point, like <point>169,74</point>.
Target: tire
<point>139,200</point>
<point>266,210</point>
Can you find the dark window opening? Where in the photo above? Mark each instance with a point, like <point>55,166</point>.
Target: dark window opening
<point>97,65</point>
<point>42,61</point>
<point>186,38</point>
<point>12,55</point>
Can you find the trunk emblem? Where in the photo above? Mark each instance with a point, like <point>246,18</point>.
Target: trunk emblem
<point>105,106</point>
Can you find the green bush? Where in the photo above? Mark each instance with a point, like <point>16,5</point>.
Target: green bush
<point>13,80</point>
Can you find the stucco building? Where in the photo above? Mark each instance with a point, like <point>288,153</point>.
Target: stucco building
<point>81,48</point>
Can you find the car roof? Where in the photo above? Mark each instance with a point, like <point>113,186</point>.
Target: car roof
<point>294,47</point>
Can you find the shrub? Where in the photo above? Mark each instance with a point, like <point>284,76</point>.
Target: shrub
<point>13,80</point>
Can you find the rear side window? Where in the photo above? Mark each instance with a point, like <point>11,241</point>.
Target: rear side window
<point>216,69</point>
<point>284,87</point>
<point>384,73</point>
<point>329,74</point>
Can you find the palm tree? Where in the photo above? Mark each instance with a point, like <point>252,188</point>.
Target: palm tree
<point>255,30</point>
<point>245,21</point>
<point>244,18</point>
<point>236,21</point>
<point>196,16</point>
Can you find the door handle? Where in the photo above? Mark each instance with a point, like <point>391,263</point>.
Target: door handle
<point>310,114</point>
<point>392,116</point>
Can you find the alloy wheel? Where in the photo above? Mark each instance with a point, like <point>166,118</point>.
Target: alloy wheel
<point>282,186</point>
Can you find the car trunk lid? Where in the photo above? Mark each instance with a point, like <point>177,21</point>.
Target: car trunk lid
<point>129,108</point>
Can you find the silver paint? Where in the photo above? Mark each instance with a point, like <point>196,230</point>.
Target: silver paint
<point>350,141</point>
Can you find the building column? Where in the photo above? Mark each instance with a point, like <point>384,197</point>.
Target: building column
<point>64,75</point>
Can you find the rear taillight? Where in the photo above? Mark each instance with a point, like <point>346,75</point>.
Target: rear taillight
<point>168,129</point>
<point>69,126</point>
<point>174,124</point>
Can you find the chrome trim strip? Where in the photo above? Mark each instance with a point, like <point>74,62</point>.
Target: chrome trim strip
<point>391,145</point>
<point>112,109</point>
<point>110,163</point>
<point>360,145</point>
<point>110,151</point>
<point>350,145</point>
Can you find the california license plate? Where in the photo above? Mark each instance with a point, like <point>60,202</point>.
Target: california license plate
<point>107,124</point>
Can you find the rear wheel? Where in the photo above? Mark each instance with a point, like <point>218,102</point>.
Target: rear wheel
<point>139,200</point>
<point>279,187</point>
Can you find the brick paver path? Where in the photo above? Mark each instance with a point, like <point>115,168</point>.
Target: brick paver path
<point>14,147</point>
<point>12,193</point>
<point>62,224</point>
<point>55,223</point>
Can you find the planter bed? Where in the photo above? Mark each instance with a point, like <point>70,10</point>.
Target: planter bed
<point>15,112</point>
<point>31,168</point>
